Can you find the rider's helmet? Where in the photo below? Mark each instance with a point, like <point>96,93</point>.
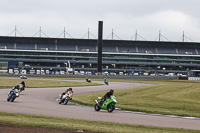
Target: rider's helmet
<point>70,88</point>
<point>111,91</point>
<point>17,86</point>
<point>22,82</point>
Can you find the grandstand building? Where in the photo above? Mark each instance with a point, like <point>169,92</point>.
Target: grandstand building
<point>55,54</point>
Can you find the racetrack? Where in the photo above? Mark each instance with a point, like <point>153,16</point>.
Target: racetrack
<point>42,101</point>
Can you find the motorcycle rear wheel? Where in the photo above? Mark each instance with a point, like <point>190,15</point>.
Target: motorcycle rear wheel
<point>96,107</point>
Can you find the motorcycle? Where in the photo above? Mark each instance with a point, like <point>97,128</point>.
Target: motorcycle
<point>12,95</point>
<point>21,89</point>
<point>108,104</point>
<point>88,80</point>
<point>65,98</point>
<point>106,82</point>
<point>23,77</point>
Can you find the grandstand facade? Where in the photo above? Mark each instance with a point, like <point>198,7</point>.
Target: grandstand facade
<point>118,55</point>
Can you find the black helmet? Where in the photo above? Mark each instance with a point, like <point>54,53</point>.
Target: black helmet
<point>22,82</point>
<point>17,86</point>
<point>70,88</point>
<point>111,91</point>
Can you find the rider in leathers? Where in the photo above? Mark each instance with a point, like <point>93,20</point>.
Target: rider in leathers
<point>70,89</point>
<point>107,95</point>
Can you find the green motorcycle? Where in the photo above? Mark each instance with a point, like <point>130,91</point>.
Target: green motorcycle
<point>108,104</point>
<point>106,82</point>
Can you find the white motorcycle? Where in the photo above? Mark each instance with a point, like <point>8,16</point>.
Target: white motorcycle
<point>65,98</point>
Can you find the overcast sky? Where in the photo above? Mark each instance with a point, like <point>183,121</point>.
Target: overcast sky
<point>148,17</point>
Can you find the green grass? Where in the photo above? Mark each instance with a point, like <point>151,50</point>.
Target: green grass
<point>9,82</point>
<point>170,97</point>
<point>85,125</point>
<point>165,97</point>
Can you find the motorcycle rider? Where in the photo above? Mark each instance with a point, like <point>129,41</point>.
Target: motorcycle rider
<point>67,91</point>
<point>105,81</point>
<point>88,80</point>
<point>107,95</point>
<point>24,85</point>
<point>18,86</point>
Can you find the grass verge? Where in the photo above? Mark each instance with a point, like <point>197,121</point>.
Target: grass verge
<point>85,125</point>
<point>165,97</point>
<point>9,82</point>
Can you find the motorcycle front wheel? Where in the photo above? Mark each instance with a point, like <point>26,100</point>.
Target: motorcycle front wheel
<point>8,99</point>
<point>96,107</point>
<point>13,98</point>
<point>66,101</point>
<point>111,108</point>
<point>59,101</point>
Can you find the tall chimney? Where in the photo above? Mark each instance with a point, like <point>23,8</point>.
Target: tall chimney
<point>99,43</point>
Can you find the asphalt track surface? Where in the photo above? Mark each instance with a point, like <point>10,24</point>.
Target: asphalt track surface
<point>42,101</point>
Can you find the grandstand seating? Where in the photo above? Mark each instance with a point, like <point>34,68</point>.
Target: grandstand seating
<point>45,46</point>
<point>166,50</point>
<point>106,48</point>
<point>142,53</point>
<point>66,47</point>
<point>8,45</point>
<point>24,46</point>
<point>127,49</point>
<point>188,51</point>
<point>110,48</point>
<point>87,48</point>
<point>147,50</point>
